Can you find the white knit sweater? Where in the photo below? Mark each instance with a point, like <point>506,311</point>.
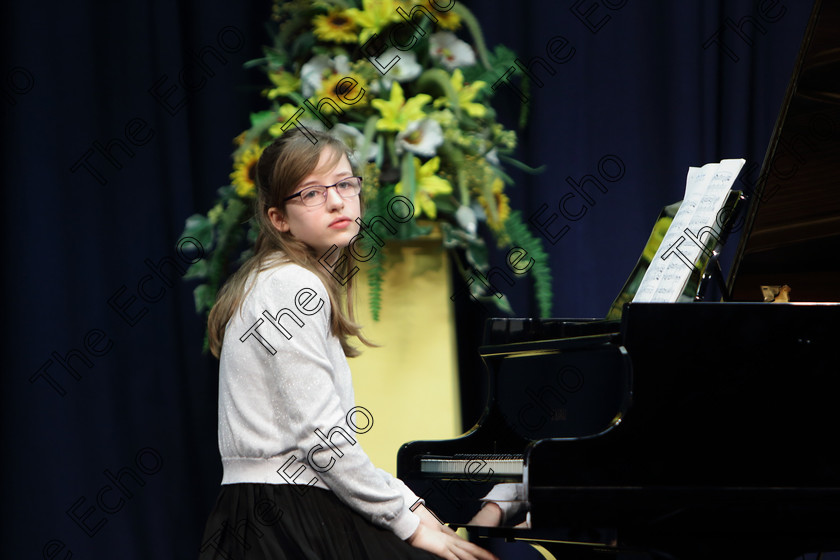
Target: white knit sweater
<point>285,392</point>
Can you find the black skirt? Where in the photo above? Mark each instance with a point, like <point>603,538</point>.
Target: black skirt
<point>286,522</point>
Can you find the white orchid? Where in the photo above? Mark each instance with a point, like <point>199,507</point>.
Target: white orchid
<point>354,140</point>
<point>407,68</point>
<point>467,219</point>
<point>313,72</point>
<point>450,51</point>
<point>351,137</point>
<point>421,137</point>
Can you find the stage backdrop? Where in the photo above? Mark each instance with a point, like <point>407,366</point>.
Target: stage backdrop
<point>118,121</point>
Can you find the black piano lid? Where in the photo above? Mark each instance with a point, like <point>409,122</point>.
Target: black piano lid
<point>792,228</point>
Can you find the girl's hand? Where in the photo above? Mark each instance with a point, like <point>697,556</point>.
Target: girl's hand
<point>447,545</point>
<point>431,521</point>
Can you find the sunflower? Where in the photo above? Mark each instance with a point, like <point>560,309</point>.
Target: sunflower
<point>335,26</point>
<point>244,170</point>
<point>342,90</point>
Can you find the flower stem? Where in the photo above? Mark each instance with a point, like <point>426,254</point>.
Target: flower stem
<point>475,31</point>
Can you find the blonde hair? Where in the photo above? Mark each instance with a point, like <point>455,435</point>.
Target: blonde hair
<point>281,168</point>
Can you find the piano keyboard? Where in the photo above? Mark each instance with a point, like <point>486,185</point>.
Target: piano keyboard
<point>477,465</point>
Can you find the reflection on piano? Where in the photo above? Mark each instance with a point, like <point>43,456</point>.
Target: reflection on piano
<point>688,429</point>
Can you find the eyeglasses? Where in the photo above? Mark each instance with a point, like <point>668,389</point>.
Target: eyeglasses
<point>317,195</point>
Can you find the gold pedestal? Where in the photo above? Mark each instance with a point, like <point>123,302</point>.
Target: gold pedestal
<point>410,383</point>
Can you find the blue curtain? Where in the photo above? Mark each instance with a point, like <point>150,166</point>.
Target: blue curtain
<point>118,121</point>
<point>624,97</point>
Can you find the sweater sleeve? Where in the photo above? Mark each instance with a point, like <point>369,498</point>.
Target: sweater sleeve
<point>411,499</point>
<point>304,389</point>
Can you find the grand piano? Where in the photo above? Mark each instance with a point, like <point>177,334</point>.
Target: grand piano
<point>682,430</point>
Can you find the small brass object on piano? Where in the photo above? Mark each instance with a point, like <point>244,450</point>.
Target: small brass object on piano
<point>776,294</point>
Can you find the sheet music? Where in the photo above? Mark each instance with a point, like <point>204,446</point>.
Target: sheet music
<point>706,191</point>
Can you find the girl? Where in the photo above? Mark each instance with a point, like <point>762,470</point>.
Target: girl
<point>296,483</point>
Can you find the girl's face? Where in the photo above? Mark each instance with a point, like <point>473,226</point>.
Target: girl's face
<point>331,223</point>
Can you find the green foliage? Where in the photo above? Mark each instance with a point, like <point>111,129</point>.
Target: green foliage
<point>521,236</point>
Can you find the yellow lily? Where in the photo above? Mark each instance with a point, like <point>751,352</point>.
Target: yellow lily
<point>284,82</point>
<point>448,20</point>
<point>427,186</point>
<point>466,94</point>
<point>285,112</point>
<point>373,17</point>
<point>397,112</point>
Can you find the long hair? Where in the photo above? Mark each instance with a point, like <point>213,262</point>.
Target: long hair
<point>280,169</point>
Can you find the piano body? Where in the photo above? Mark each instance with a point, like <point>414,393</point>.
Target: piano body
<point>691,429</point>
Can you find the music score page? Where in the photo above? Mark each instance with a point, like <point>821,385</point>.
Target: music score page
<point>706,191</point>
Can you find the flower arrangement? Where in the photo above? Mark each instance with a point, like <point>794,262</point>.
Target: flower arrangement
<point>410,98</point>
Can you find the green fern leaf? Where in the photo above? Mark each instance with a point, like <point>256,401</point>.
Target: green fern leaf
<point>375,276</point>
<point>521,236</point>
